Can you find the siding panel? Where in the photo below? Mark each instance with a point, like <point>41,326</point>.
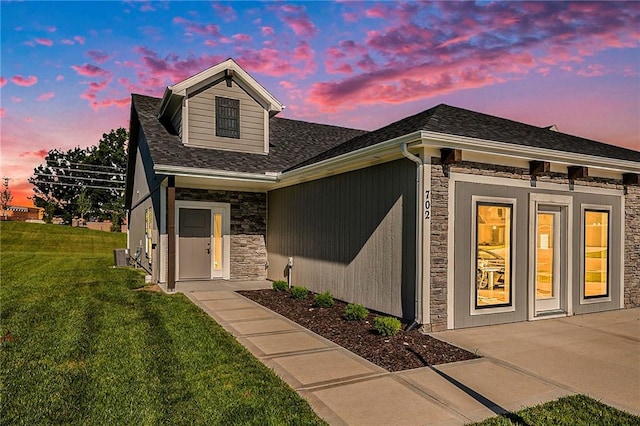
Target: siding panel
<point>353,234</point>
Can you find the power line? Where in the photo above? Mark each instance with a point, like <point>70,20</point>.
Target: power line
<point>78,185</point>
<point>84,171</point>
<point>83,164</point>
<point>80,178</point>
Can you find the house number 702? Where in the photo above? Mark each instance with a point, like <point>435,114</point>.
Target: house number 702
<point>427,205</point>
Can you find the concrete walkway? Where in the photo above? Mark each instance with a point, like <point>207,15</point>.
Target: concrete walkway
<point>518,369</point>
<point>595,354</point>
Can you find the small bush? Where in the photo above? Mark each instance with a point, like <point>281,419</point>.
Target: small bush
<point>299,292</point>
<point>355,312</point>
<point>387,326</point>
<point>323,300</point>
<point>280,285</point>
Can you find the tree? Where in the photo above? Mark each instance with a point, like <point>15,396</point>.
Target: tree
<point>5,198</point>
<point>84,182</point>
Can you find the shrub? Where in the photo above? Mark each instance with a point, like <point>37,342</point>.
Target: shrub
<point>323,300</point>
<point>280,285</point>
<point>355,312</point>
<point>387,326</point>
<point>299,292</point>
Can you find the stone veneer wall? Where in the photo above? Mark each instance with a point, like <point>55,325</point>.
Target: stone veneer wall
<point>248,228</point>
<point>440,228</point>
<point>632,248</point>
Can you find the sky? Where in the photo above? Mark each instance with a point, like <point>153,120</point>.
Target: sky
<point>67,69</point>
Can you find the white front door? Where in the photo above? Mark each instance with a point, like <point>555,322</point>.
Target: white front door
<point>548,253</point>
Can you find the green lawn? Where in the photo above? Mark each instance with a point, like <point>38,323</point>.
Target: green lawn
<point>88,349</point>
<point>570,410</point>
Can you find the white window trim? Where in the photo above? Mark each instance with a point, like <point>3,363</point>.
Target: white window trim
<point>603,208</point>
<point>535,200</point>
<point>475,199</point>
<point>226,232</point>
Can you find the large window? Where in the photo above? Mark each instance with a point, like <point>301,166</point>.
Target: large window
<point>596,254</point>
<point>227,117</point>
<point>493,251</point>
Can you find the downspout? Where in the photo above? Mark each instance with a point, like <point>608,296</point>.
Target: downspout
<point>419,229</point>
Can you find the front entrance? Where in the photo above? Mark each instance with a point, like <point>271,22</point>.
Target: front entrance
<point>549,261</point>
<point>202,250</point>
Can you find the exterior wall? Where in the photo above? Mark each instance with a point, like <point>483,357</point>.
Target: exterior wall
<point>462,240</point>
<point>202,120</point>
<point>176,121</point>
<point>145,194</point>
<point>353,234</point>
<point>248,228</point>
<point>632,248</point>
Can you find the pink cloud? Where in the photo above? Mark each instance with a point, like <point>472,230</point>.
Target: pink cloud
<point>22,81</point>
<point>67,42</point>
<point>594,70</point>
<point>79,39</point>
<point>28,119</point>
<point>195,28</point>
<point>350,16</point>
<point>267,31</point>
<point>287,85</point>
<point>45,96</point>
<point>242,37</point>
<point>59,77</point>
<point>41,153</point>
<point>3,81</point>
<point>210,43</point>
<point>2,112</point>
<point>225,11</point>
<point>16,99</point>
<point>98,56</point>
<point>44,42</point>
<point>51,29</point>
<point>298,20</point>
<point>277,63</point>
<point>89,70</point>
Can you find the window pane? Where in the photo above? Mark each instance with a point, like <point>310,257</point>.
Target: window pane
<point>596,253</point>
<point>544,256</point>
<point>493,255</point>
<point>217,241</point>
<point>227,117</point>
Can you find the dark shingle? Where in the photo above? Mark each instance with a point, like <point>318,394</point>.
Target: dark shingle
<point>291,141</point>
<point>457,121</point>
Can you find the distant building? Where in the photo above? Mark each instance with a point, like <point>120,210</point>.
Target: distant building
<point>24,214</point>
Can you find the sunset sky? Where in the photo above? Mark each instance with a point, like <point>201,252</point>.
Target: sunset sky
<point>68,68</point>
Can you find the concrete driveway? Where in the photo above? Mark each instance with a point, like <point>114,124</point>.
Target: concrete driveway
<point>595,354</point>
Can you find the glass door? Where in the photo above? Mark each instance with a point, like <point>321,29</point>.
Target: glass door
<point>547,261</point>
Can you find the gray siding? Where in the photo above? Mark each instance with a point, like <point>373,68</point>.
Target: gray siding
<point>145,181</point>
<point>202,120</point>
<point>463,262</point>
<point>352,233</point>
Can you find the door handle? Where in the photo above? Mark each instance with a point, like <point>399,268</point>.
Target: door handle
<point>208,251</point>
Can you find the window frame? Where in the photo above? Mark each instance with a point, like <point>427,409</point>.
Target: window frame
<point>222,130</point>
<point>597,208</point>
<point>475,309</point>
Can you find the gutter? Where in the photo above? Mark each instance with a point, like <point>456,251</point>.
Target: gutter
<point>527,152</point>
<point>418,320</point>
<point>219,174</point>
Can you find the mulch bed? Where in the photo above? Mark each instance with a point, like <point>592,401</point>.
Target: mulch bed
<point>404,351</point>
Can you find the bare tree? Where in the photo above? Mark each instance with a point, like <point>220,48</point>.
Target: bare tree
<point>5,197</point>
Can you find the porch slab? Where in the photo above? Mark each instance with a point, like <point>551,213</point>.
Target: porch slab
<point>316,368</point>
<point>286,342</point>
<point>383,401</point>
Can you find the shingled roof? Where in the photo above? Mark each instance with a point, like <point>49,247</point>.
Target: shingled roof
<point>290,141</point>
<point>461,122</point>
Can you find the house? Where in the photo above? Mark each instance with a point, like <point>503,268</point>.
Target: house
<point>450,218</point>
<point>24,214</point>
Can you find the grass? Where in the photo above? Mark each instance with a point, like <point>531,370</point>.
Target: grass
<point>85,348</point>
<point>570,410</point>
